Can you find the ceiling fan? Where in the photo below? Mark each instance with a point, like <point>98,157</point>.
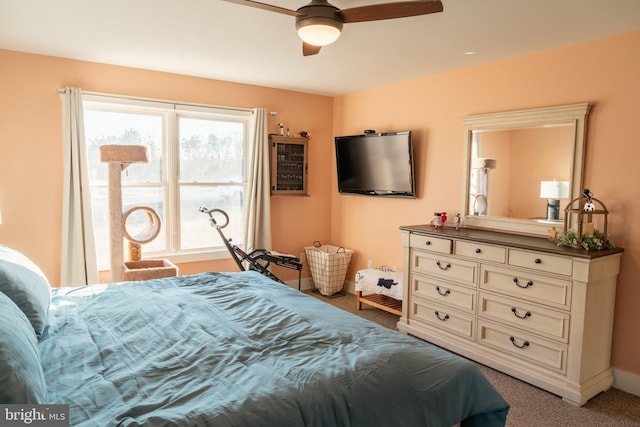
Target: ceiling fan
<point>319,23</point>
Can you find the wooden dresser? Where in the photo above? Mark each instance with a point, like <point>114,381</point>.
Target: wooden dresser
<point>519,304</point>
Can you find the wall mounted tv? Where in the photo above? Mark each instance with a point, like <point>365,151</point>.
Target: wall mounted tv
<point>376,164</point>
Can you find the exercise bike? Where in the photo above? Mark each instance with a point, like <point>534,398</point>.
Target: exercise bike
<point>258,259</point>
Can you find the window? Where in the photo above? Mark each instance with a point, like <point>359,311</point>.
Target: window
<point>196,158</point>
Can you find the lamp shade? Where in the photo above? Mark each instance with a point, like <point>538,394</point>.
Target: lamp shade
<point>554,189</point>
<point>483,163</point>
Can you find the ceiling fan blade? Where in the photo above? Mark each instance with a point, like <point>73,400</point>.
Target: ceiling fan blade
<point>403,9</point>
<point>264,6</point>
<point>309,49</point>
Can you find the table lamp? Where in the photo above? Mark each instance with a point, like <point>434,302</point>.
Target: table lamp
<point>553,191</point>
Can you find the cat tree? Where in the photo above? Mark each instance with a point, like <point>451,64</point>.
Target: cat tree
<point>119,157</point>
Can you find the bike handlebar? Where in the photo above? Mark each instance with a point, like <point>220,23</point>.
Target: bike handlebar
<point>212,220</point>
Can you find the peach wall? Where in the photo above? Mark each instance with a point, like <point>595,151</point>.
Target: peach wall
<point>31,166</point>
<point>603,72</point>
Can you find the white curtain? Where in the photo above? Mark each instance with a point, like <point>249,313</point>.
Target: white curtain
<point>79,265</point>
<point>257,215</point>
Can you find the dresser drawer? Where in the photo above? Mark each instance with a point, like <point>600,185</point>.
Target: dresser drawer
<point>431,243</point>
<point>525,315</point>
<point>528,286</point>
<point>541,262</point>
<point>443,292</point>
<point>481,251</point>
<point>443,317</point>
<point>445,267</point>
<point>524,346</point>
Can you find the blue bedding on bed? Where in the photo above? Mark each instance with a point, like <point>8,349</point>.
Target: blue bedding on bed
<point>237,349</point>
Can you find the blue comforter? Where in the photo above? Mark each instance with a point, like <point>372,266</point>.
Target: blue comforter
<point>237,349</point>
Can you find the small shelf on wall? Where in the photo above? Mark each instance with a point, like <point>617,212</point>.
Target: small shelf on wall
<point>288,165</point>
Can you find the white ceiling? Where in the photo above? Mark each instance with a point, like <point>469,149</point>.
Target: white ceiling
<point>220,40</point>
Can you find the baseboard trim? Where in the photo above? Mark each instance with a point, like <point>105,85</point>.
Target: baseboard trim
<point>349,287</point>
<point>626,381</point>
<point>305,284</point>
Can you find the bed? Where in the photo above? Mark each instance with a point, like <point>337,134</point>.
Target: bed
<point>221,349</point>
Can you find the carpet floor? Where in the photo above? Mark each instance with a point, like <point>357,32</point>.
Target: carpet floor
<point>530,406</point>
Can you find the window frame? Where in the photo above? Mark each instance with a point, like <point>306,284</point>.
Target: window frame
<point>170,183</point>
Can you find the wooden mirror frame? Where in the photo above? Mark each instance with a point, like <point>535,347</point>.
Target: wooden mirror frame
<point>574,113</point>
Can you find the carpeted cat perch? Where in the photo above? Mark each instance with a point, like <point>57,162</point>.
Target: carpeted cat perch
<point>119,157</point>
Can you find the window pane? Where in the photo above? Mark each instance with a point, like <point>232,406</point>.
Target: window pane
<point>108,127</point>
<point>196,230</point>
<point>117,128</point>
<point>211,151</point>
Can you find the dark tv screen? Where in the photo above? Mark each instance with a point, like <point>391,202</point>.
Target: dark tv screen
<point>376,164</point>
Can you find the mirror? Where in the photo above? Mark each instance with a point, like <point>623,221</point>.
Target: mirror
<point>523,167</point>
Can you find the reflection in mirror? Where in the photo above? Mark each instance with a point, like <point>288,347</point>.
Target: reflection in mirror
<point>553,191</point>
<point>479,179</point>
<point>526,158</point>
<point>523,167</point>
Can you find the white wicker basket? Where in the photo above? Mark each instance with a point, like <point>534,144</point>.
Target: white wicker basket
<point>328,265</point>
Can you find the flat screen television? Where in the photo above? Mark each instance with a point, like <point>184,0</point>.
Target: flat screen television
<point>376,164</point>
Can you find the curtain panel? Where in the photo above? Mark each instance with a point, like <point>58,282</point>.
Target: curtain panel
<point>78,256</point>
<point>257,215</point>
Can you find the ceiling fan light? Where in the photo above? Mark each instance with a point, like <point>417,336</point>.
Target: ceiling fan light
<point>319,31</point>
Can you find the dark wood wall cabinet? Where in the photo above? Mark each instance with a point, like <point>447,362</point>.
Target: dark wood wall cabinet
<point>289,165</point>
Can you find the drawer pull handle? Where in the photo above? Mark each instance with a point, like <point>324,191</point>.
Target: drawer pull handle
<point>524,344</point>
<point>529,283</point>
<point>446,267</point>
<point>445,317</point>
<point>515,312</point>
<point>428,243</point>
<point>537,261</point>
<point>445,293</point>
<point>478,250</point>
